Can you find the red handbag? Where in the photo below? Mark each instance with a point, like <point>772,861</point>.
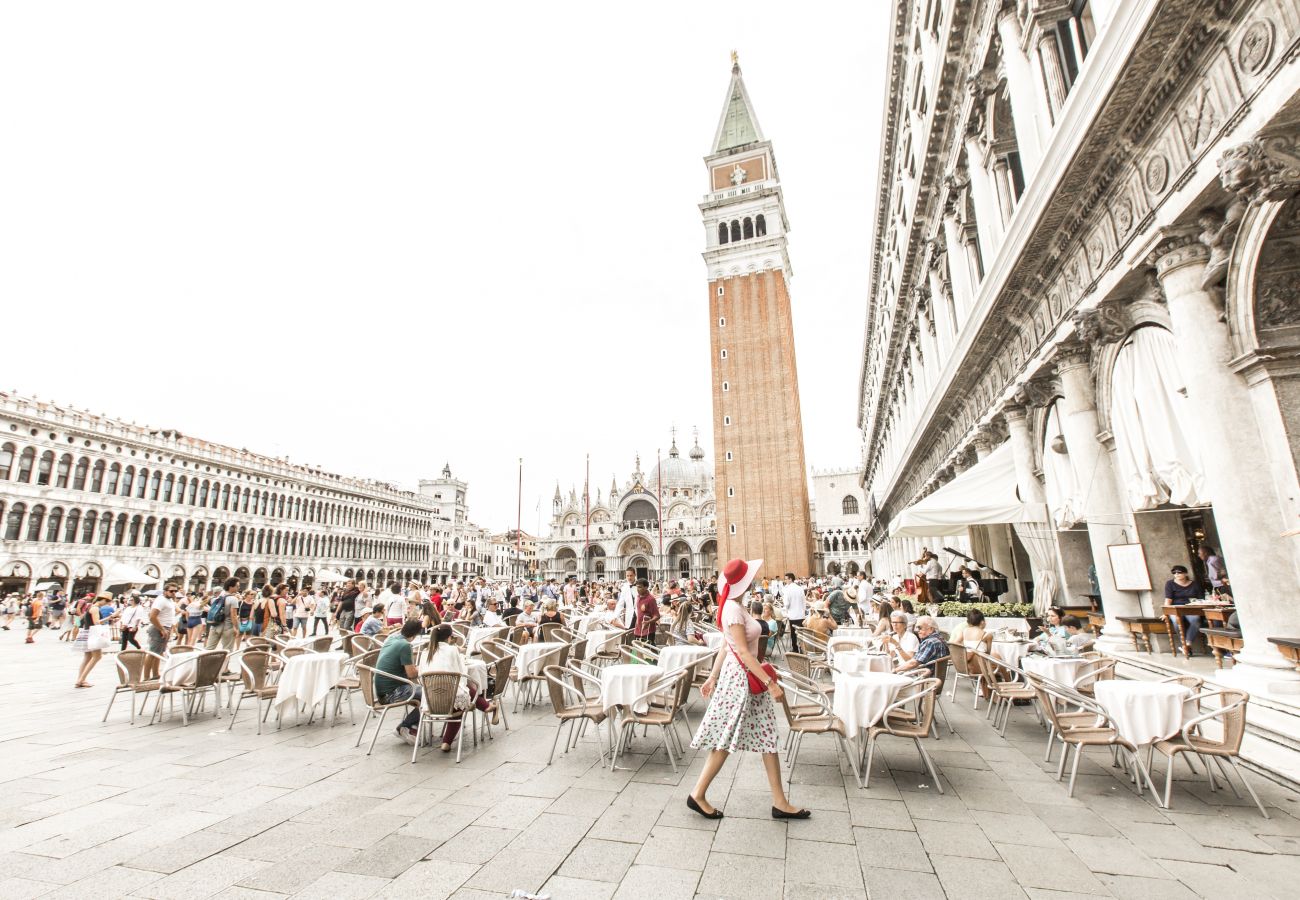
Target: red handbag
<point>755,685</point>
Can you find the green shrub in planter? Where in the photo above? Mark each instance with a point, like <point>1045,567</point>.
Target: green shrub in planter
<point>960,608</point>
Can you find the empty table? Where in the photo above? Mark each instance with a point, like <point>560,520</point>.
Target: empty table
<point>679,655</point>
<point>1145,711</point>
<point>620,685</point>
<point>528,661</point>
<point>1010,652</point>
<point>600,639</point>
<point>480,633</point>
<point>1061,669</point>
<point>852,662</point>
<point>307,679</point>
<point>861,699</point>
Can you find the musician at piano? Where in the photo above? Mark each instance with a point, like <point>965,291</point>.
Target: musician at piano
<point>970,586</point>
<point>1180,590</point>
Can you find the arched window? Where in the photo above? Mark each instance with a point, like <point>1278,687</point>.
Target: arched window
<point>221,537</point>
<point>79,476</point>
<point>64,471</point>
<point>748,227</point>
<point>193,493</point>
<point>760,225</point>
<point>55,526</point>
<point>850,505</point>
<point>225,496</point>
<point>134,539</point>
<point>6,460</point>
<point>114,473</point>
<point>26,463</point>
<point>14,524</point>
<point>146,540</point>
<point>167,485</point>
<point>162,534</point>
<point>826,544</point>
<point>722,233</point>
<point>176,533</point>
<point>212,536</point>
<point>128,478</point>
<point>203,493</point>
<point>735,229</point>
<point>45,467</point>
<point>70,530</point>
<point>34,523</point>
<point>105,528</point>
<point>97,477</point>
<point>88,527</point>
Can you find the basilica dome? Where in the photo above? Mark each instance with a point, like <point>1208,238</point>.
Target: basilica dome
<point>679,472</point>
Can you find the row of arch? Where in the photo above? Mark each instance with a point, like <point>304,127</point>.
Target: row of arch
<point>101,477</point>
<point>93,527</point>
<point>843,544</point>
<point>742,229</point>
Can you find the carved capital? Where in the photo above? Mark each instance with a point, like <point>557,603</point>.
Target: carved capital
<point>1103,324</point>
<point>1071,354</point>
<point>1014,413</point>
<point>1262,169</point>
<point>1175,248</point>
<point>1035,394</point>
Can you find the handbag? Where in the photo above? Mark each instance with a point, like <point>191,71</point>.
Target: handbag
<point>755,686</point>
<point>245,626</point>
<point>97,638</point>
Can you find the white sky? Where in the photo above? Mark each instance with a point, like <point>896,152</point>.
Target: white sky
<point>382,236</point>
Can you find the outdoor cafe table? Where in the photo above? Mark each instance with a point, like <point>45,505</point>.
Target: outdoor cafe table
<point>853,662</point>
<point>1061,669</point>
<point>599,640</point>
<point>476,673</point>
<point>529,656</point>
<point>621,684</point>
<point>1010,652</point>
<point>480,633</point>
<point>308,678</point>
<point>1145,711</point>
<point>713,639</point>
<point>678,655</point>
<point>845,640</point>
<point>861,699</point>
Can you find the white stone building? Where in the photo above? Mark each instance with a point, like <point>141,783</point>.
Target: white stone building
<point>839,510</point>
<point>1085,286</point>
<point>80,493</point>
<point>622,529</point>
<point>460,548</point>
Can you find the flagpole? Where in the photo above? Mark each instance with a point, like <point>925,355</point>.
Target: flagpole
<point>519,519</point>
<point>659,485</point>
<point>586,545</point>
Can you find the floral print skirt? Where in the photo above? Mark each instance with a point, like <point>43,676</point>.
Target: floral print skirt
<point>737,719</point>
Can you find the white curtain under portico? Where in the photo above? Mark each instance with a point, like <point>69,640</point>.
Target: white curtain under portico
<point>986,494</point>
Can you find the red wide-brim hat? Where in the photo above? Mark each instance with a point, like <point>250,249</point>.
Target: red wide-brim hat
<point>737,576</point>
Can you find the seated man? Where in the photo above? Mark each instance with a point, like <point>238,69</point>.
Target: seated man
<point>528,618</point>
<point>374,623</point>
<point>1078,640</point>
<point>397,659</point>
<point>929,648</point>
<point>608,617</point>
<point>491,618</point>
<point>821,622</point>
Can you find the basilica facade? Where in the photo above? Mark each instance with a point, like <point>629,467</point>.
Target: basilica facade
<point>1082,340</point>
<point>662,524</point>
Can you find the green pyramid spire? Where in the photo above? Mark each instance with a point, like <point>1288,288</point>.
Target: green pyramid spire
<point>739,124</point>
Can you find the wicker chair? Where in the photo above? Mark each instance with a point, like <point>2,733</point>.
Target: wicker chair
<point>813,645</point>
<point>802,664</point>
<point>255,681</point>
<point>963,670</point>
<point>547,630</point>
<point>1006,687</point>
<point>438,704</point>
<point>910,716</point>
<point>572,706</point>
<point>494,692</point>
<point>208,665</point>
<point>811,713</point>
<point>1053,699</point>
<point>529,681</point>
<point>606,653</point>
<point>366,673</point>
<point>661,716</point>
<point>1093,671</point>
<point>130,679</point>
<point>364,643</point>
<point>181,648</point>
<point>321,644</point>
<point>1231,716</point>
<point>648,651</point>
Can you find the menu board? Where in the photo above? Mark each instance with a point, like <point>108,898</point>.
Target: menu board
<point>1128,566</point>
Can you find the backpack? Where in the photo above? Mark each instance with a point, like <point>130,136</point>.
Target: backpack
<point>217,611</point>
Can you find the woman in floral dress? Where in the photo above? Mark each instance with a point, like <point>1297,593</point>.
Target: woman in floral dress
<point>736,719</point>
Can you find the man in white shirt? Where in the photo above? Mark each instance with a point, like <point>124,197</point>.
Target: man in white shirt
<point>491,618</point>
<point>162,619</point>
<point>796,607</point>
<point>625,611</point>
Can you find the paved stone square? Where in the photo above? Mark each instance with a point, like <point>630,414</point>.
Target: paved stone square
<point>111,810</point>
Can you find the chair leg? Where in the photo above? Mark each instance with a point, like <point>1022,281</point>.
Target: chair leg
<point>558,728</point>
<point>1065,757</point>
<point>794,755</point>
<point>663,731</point>
<point>1242,775</point>
<point>419,736</point>
<point>929,764</point>
<point>378,728</point>
<point>111,698</point>
<point>843,744</point>
<point>1074,769</point>
<point>234,713</point>
<point>1223,770</point>
<point>866,767</point>
<point>1051,734</point>
<point>370,714</point>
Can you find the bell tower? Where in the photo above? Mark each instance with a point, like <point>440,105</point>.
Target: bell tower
<point>760,473</point>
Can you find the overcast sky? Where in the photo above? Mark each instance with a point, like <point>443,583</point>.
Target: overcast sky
<point>383,236</point>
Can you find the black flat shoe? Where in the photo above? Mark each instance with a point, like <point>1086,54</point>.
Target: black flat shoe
<point>691,804</point>
<point>782,814</point>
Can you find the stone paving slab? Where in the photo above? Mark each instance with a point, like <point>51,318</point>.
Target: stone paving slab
<point>165,811</point>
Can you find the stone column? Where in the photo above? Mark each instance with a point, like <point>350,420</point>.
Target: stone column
<point>1247,510</point>
<point>1049,52</point>
<point>988,222</point>
<point>1103,505</point>
<point>1005,194</point>
<point>1032,128</point>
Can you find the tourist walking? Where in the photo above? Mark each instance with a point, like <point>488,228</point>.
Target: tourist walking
<point>129,623</point>
<point>320,613</point>
<point>737,719</point>
<point>162,620</point>
<point>92,637</point>
<point>34,609</point>
<point>222,618</point>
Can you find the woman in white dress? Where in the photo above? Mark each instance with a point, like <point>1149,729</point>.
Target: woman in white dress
<point>737,719</point>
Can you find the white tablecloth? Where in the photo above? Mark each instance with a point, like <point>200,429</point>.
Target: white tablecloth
<point>598,640</point>
<point>479,634</point>
<point>1010,652</point>
<point>580,624</point>
<point>860,700</point>
<point>308,678</point>
<point>1145,711</point>
<point>713,639</point>
<point>528,659</point>
<point>857,634</point>
<point>476,674</point>
<point>621,684</point>
<point>1061,669</point>
<point>856,661</point>
<point>183,673</point>
<point>679,655</point>
<point>845,644</point>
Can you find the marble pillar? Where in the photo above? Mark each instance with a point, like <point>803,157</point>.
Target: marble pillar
<point>1247,510</point>
<point>1106,512</point>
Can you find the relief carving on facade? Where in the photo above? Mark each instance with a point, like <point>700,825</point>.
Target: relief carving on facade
<point>1103,324</point>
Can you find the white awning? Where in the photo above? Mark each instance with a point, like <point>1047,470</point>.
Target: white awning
<point>985,494</point>
<point>124,573</point>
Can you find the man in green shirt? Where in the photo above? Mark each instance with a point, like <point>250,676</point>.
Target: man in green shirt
<point>398,662</point>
